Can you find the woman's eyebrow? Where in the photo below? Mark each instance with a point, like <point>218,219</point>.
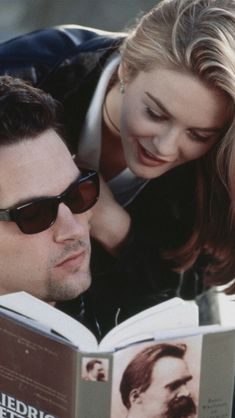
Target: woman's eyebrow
<point>157,102</point>
<point>213,129</point>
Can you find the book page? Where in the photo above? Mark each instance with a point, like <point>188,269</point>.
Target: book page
<point>174,313</point>
<point>226,309</point>
<point>46,314</point>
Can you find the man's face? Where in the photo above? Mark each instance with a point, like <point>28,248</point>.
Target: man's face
<point>53,264</point>
<point>168,396</point>
<point>98,372</point>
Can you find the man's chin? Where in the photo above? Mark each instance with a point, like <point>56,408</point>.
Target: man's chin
<point>71,289</point>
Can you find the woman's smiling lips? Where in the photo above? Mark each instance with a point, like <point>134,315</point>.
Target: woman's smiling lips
<point>147,158</point>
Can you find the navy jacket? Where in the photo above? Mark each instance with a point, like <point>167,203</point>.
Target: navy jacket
<point>67,62</point>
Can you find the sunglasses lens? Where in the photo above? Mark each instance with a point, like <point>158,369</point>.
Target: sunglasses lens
<point>82,197</point>
<point>37,216</point>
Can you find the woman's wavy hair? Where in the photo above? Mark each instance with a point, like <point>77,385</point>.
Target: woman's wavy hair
<point>198,37</point>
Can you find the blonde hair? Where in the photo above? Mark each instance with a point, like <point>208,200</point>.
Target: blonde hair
<point>197,37</point>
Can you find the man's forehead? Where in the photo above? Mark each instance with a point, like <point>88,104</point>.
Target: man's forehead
<point>169,369</point>
<point>32,168</point>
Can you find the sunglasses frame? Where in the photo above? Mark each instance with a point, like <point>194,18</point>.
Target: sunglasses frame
<point>12,214</point>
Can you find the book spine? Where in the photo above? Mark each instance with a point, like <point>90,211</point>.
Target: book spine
<point>94,385</point>
<point>217,375</point>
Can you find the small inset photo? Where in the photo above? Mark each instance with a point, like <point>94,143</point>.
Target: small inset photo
<point>95,369</point>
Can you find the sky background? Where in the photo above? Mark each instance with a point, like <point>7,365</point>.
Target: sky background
<point>20,16</point>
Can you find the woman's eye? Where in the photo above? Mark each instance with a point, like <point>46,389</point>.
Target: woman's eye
<point>154,115</point>
<point>200,138</point>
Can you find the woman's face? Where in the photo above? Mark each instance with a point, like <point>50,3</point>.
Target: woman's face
<point>168,118</point>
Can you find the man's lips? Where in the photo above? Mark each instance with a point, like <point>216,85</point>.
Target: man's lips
<point>72,259</point>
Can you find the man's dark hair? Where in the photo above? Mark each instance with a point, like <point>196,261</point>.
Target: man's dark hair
<point>25,111</point>
<point>138,373</point>
<point>91,363</point>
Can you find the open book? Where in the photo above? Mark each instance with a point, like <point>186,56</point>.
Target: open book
<point>52,366</point>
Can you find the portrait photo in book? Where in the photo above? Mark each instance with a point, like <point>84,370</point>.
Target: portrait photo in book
<point>157,380</point>
<point>95,369</point>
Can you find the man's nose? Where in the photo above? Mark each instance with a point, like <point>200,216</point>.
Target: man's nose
<point>69,226</point>
<point>167,141</point>
<point>183,391</point>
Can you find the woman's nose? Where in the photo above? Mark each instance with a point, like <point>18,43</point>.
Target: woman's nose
<point>167,142</point>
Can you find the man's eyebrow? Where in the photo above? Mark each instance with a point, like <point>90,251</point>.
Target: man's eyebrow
<point>24,201</point>
<point>30,199</point>
<point>178,382</point>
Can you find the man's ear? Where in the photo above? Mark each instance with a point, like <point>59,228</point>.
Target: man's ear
<point>135,397</point>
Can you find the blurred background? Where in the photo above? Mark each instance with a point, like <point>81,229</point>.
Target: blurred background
<point>20,16</point>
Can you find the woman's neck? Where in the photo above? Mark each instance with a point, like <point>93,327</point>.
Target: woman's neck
<point>112,160</point>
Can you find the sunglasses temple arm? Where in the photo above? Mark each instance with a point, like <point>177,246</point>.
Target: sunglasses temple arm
<point>5,216</point>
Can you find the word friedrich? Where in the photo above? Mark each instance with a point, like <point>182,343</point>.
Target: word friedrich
<point>13,408</point>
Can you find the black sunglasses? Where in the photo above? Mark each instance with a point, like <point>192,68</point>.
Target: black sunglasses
<point>39,214</point>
